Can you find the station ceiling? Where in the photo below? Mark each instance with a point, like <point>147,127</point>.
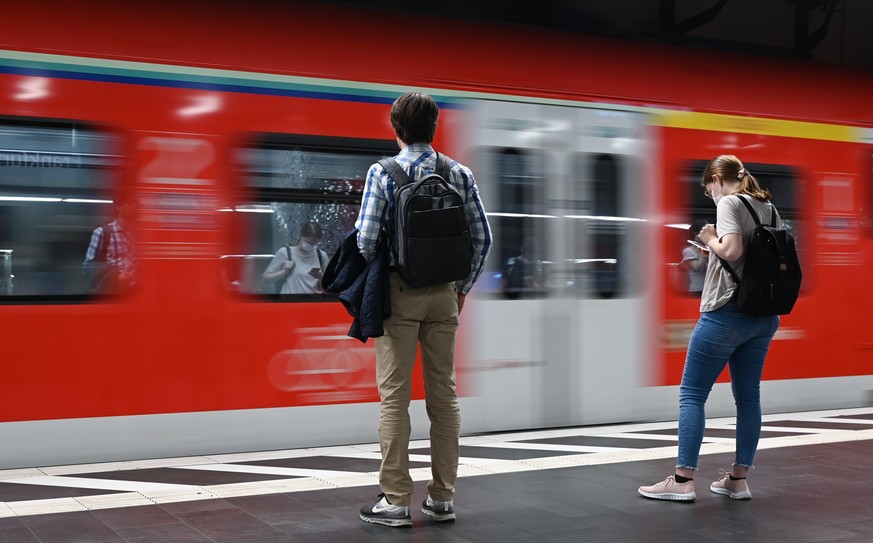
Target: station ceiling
<point>829,31</point>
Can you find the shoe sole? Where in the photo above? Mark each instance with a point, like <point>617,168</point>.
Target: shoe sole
<point>670,496</point>
<point>393,523</point>
<point>744,495</point>
<point>439,517</point>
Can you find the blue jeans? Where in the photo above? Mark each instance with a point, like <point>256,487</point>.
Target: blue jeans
<point>724,336</point>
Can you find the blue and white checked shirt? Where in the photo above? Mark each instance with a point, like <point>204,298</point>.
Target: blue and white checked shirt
<point>377,206</point>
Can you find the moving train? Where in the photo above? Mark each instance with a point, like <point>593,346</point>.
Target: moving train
<point>230,125</point>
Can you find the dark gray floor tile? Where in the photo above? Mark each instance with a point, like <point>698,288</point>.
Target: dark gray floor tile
<point>328,528</point>
<point>163,533</point>
<point>228,525</point>
<point>135,517</point>
<point>17,535</point>
<point>10,522</point>
<point>77,527</point>
<point>343,497</point>
<point>177,508</point>
<point>475,529</point>
<point>276,508</point>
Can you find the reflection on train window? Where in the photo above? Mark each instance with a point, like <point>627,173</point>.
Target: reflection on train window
<point>300,197</point>
<point>56,184</point>
<point>521,268</point>
<point>782,181</point>
<point>598,267</point>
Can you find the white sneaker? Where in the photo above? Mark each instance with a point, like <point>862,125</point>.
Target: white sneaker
<point>669,489</point>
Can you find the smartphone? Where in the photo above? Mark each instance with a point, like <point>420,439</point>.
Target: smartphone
<point>314,271</point>
<point>698,245</point>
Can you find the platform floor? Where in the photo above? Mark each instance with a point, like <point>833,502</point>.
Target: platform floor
<point>813,482</point>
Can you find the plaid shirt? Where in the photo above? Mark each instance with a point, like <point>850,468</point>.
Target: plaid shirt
<point>118,252</point>
<point>377,206</point>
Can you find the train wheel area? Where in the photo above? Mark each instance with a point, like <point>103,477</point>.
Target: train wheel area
<point>568,484</point>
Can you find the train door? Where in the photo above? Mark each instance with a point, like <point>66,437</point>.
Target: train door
<point>560,325</point>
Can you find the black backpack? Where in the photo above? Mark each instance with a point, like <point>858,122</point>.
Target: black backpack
<point>771,274</point>
<point>430,236</point>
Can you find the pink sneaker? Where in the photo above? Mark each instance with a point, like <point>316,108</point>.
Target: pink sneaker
<point>737,490</point>
<point>669,489</point>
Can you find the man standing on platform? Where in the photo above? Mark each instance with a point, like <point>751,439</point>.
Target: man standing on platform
<point>425,316</point>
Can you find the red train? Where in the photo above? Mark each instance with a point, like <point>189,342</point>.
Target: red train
<point>229,126</point>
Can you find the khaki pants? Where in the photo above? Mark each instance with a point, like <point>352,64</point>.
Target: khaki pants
<point>427,316</point>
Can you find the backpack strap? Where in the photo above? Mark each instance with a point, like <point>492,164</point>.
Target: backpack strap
<point>443,169</point>
<point>724,262</point>
<point>394,170</point>
<point>443,166</point>
<point>752,210</point>
<point>290,259</point>
<point>745,202</point>
<point>773,213</point>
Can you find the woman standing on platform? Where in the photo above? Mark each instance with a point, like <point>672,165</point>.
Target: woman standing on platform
<point>723,335</point>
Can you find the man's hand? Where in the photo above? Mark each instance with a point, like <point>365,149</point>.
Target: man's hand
<point>461,298</point>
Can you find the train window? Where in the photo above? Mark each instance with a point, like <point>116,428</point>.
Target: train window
<point>599,263</point>
<point>782,181</point>
<point>300,197</point>
<point>56,184</point>
<point>519,260</point>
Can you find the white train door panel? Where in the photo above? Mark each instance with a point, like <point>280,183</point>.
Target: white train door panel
<point>614,184</point>
<point>561,343</point>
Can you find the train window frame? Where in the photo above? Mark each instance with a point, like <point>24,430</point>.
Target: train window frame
<point>789,203</point>
<point>504,209</point>
<point>610,197</point>
<point>109,162</point>
<point>245,193</point>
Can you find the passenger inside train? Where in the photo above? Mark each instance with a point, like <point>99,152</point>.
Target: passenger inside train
<point>108,264</point>
<point>694,259</point>
<point>297,268</point>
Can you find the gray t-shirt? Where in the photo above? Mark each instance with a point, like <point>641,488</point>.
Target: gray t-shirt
<point>732,217</point>
<point>299,280</point>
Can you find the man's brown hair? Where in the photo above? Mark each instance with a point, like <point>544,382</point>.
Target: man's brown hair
<point>414,117</point>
